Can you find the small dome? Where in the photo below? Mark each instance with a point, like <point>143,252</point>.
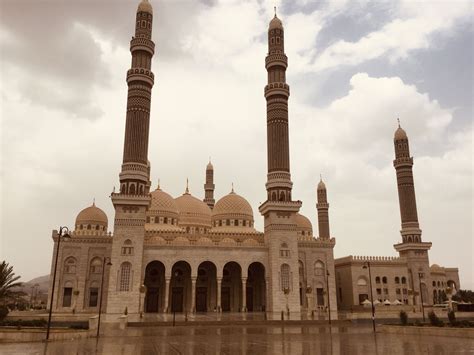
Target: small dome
<point>303,224</point>
<point>275,23</point>
<point>192,211</point>
<point>93,216</point>
<point>163,212</point>
<point>230,208</point>
<point>400,134</point>
<point>435,266</point>
<point>145,6</point>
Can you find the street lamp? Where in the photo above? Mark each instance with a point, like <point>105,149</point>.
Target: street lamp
<point>104,263</point>
<point>420,276</point>
<point>63,234</point>
<point>327,289</point>
<point>367,265</point>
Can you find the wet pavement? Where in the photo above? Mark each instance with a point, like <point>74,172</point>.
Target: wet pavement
<point>353,339</point>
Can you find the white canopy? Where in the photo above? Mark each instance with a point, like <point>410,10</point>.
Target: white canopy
<point>366,302</point>
<point>397,302</point>
<point>387,303</point>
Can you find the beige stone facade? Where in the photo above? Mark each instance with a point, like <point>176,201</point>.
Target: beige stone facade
<point>188,254</point>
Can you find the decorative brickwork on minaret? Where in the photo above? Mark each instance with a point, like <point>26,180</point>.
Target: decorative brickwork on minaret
<point>412,248</point>
<point>323,211</point>
<point>277,92</point>
<point>403,164</point>
<point>209,186</point>
<point>134,178</point>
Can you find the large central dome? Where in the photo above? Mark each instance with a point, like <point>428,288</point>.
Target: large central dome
<point>194,214</point>
<point>232,210</point>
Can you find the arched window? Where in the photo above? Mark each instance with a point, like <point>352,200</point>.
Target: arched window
<point>397,280</point>
<point>96,266</point>
<point>125,271</point>
<point>88,226</point>
<point>377,279</point>
<point>93,294</point>
<point>319,268</point>
<point>285,277</point>
<point>404,280</point>
<point>127,248</point>
<point>70,265</point>
<point>384,279</point>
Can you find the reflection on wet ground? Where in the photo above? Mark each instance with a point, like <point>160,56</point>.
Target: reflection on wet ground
<point>353,339</point>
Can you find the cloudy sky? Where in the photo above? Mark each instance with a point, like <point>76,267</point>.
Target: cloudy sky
<point>354,67</point>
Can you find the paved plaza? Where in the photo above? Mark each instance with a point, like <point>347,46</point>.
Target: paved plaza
<point>251,340</point>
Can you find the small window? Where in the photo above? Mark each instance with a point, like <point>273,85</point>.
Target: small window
<point>384,280</point>
<point>319,268</point>
<point>377,280</point>
<point>404,280</point>
<point>70,266</point>
<point>67,296</point>
<point>93,296</point>
<point>125,271</point>
<point>285,277</point>
<point>397,280</point>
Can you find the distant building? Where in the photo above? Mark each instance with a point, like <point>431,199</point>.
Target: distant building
<point>187,254</point>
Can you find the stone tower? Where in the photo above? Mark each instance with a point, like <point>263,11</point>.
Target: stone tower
<point>209,186</point>
<point>132,202</point>
<point>323,211</point>
<point>279,210</point>
<point>411,247</point>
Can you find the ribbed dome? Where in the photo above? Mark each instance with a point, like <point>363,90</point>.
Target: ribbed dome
<point>233,205</point>
<point>400,134</point>
<point>193,212</point>
<point>162,202</point>
<point>275,23</point>
<point>303,224</point>
<point>145,6</point>
<point>91,217</point>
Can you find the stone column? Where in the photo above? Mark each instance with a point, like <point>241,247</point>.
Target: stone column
<point>166,307</point>
<point>244,294</point>
<point>219,284</point>
<point>193,294</point>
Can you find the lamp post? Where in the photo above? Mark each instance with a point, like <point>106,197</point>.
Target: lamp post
<point>327,290</point>
<point>104,263</point>
<point>420,276</point>
<point>63,233</point>
<point>367,265</point>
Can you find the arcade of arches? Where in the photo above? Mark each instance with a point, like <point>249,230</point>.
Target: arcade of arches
<point>236,290</point>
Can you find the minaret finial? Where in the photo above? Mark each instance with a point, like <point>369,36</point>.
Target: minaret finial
<point>209,158</point>
<point>320,177</point>
<point>398,119</point>
<point>275,9</point>
<point>158,187</point>
<point>93,201</point>
<point>232,189</point>
<point>187,186</point>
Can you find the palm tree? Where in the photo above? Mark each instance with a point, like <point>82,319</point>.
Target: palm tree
<point>9,287</point>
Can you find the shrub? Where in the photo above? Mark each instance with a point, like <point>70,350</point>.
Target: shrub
<point>24,323</point>
<point>403,318</point>
<point>452,317</point>
<point>434,320</point>
<point>3,312</point>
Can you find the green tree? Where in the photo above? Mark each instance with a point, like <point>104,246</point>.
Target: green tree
<point>9,286</point>
<point>464,295</point>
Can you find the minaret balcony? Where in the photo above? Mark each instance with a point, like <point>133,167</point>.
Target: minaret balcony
<point>277,88</point>
<point>403,161</point>
<point>140,74</point>
<point>276,59</point>
<point>142,44</point>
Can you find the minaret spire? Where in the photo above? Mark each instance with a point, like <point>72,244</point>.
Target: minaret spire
<point>135,175</point>
<point>209,186</point>
<point>323,210</point>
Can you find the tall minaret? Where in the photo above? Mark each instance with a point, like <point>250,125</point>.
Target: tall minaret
<point>133,200</point>
<point>412,248</point>
<point>323,210</point>
<point>209,186</point>
<point>279,210</point>
<point>135,175</point>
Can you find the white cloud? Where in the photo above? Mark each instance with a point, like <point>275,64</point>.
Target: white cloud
<point>412,28</point>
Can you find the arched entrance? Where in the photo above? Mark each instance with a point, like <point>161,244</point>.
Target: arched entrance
<point>180,287</point>
<point>155,287</point>
<point>255,292</point>
<point>206,286</point>
<point>231,290</point>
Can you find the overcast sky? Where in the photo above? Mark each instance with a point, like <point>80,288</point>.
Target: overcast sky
<point>354,67</point>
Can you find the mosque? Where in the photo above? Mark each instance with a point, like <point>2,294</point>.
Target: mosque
<point>185,254</point>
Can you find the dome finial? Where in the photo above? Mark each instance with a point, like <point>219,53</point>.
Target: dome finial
<point>187,186</point>
<point>232,191</point>
<point>158,187</point>
<point>398,119</point>
<point>93,201</point>
<point>320,177</point>
<point>275,9</point>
